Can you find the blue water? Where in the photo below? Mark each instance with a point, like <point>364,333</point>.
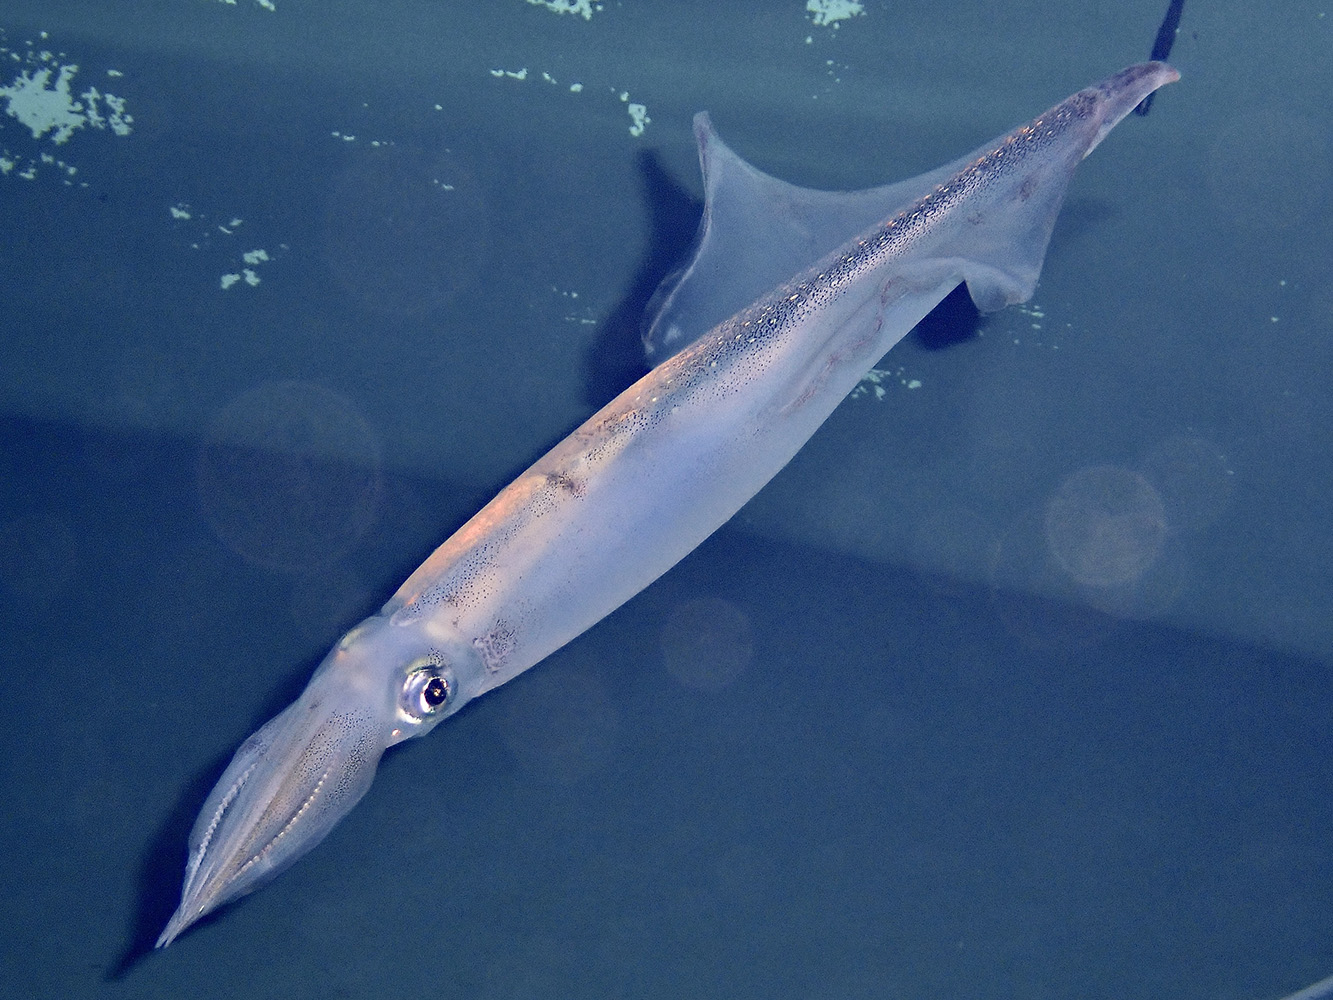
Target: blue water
<point>922,747</point>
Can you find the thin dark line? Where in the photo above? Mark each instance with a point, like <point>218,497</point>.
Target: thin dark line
<point>1161,46</point>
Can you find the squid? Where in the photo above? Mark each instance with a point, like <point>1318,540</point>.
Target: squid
<point>792,296</point>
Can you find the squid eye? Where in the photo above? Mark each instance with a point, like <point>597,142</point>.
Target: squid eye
<point>436,692</point>
<point>425,692</point>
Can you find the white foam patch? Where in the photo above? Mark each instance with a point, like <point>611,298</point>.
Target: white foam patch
<point>268,5</point>
<point>43,97</point>
<point>579,8</point>
<point>832,12</point>
<point>43,100</point>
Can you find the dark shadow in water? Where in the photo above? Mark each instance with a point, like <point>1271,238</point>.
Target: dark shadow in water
<point>617,358</point>
<point>951,322</point>
<point>161,870</point>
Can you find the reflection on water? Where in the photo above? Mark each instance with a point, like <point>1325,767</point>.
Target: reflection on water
<point>289,475</point>
<point>1105,526</point>
<point>706,643</point>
